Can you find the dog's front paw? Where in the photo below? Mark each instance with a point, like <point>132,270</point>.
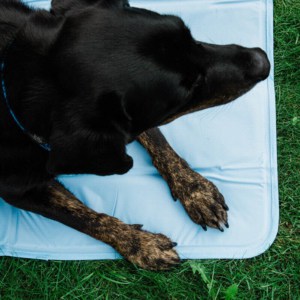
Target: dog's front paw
<point>201,199</point>
<point>147,250</point>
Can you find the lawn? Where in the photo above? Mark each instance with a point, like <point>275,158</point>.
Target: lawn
<point>273,275</point>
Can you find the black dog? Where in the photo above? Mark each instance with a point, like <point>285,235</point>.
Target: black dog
<point>85,79</point>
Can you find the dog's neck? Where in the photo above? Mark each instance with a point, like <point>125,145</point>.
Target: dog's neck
<point>24,45</point>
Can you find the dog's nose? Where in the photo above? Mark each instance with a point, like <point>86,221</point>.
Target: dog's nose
<point>258,65</point>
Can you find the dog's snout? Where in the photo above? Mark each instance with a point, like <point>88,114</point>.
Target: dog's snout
<point>258,65</point>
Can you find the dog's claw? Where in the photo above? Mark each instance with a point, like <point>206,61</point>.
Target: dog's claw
<point>220,228</point>
<point>173,197</point>
<point>137,226</point>
<point>226,225</point>
<point>204,227</point>
<point>174,244</point>
<point>225,206</point>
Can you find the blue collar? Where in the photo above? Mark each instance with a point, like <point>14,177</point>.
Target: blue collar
<point>39,140</point>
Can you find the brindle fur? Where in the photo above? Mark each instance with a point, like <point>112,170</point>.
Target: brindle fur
<point>145,249</point>
<point>200,198</point>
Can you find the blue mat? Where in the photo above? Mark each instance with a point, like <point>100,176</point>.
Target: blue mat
<point>234,146</point>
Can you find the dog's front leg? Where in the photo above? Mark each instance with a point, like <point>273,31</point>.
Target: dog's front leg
<point>200,198</point>
<point>145,249</point>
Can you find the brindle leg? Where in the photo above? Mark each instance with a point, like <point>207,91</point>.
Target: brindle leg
<point>145,249</point>
<point>200,198</point>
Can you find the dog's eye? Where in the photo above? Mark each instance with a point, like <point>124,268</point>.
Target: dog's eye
<point>192,80</point>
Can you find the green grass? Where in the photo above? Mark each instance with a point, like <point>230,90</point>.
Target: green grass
<point>273,275</point>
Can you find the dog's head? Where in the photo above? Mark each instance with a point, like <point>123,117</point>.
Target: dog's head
<point>151,62</point>
<point>131,69</point>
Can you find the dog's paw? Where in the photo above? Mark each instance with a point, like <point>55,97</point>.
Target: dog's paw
<point>201,199</point>
<point>148,250</point>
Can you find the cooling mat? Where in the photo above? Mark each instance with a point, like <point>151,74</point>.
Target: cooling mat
<point>234,146</point>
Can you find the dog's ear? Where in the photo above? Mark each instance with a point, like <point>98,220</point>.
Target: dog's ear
<point>86,153</point>
<point>41,31</point>
<point>91,140</point>
<point>61,7</point>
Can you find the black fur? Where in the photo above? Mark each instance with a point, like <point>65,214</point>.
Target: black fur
<point>91,75</point>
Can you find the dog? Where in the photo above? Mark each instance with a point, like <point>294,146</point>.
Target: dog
<point>80,82</point>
